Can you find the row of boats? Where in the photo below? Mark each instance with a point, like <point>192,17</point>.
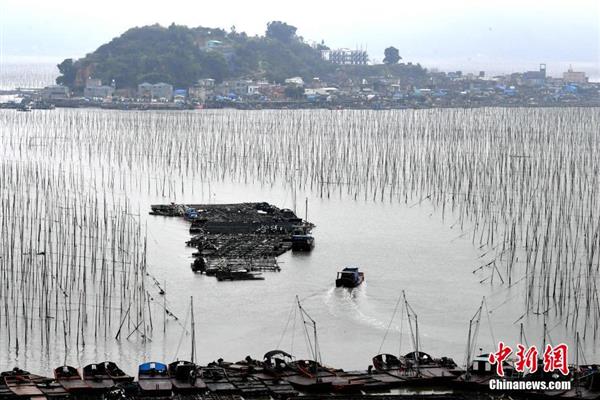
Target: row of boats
<point>279,375</point>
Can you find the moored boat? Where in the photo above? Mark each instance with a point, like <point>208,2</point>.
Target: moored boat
<point>303,242</point>
<point>238,275</point>
<point>96,377</point>
<point>70,379</point>
<point>480,372</point>
<point>307,380</point>
<point>153,379</point>
<point>185,377</point>
<point>115,373</point>
<point>430,370</point>
<point>586,383</point>
<point>53,390</point>
<point>281,365</point>
<point>386,362</point>
<point>20,384</point>
<point>416,367</point>
<point>325,379</point>
<point>349,277</point>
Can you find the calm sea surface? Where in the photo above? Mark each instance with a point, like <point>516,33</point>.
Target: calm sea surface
<point>402,243</point>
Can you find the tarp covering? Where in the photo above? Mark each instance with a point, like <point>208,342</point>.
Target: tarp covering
<point>149,366</point>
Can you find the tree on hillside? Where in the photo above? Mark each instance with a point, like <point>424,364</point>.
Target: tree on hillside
<point>392,56</point>
<point>68,73</point>
<point>280,31</point>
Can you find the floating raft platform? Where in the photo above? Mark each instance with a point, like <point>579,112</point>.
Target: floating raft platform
<point>238,241</point>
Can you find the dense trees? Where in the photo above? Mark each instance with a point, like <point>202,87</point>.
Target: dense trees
<point>391,55</point>
<point>67,71</point>
<point>180,55</point>
<point>280,31</point>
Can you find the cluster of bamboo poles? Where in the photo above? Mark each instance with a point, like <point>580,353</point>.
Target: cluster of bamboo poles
<point>521,183</point>
<point>72,255</point>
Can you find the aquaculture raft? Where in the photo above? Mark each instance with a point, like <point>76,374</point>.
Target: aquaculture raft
<point>237,241</point>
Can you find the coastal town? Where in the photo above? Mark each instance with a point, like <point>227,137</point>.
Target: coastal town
<point>413,87</point>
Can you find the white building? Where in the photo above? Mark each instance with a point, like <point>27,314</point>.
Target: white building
<point>346,56</point>
<point>326,91</point>
<point>253,89</point>
<point>95,90</point>
<point>159,91</point>
<point>206,83</point>
<point>298,81</point>
<point>162,90</point>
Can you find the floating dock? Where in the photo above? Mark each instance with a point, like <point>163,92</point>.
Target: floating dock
<point>238,241</point>
<point>253,379</point>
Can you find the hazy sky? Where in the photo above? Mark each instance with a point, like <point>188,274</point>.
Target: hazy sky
<point>499,35</point>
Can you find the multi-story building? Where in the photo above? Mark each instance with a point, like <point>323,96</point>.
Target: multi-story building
<point>202,90</point>
<point>346,56</point>
<point>535,78</point>
<point>94,89</point>
<point>55,92</point>
<point>159,91</point>
<point>574,76</point>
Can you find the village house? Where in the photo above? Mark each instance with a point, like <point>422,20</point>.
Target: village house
<point>157,91</point>
<point>95,90</point>
<point>55,92</point>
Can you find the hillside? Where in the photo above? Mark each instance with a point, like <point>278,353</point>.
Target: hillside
<point>181,55</point>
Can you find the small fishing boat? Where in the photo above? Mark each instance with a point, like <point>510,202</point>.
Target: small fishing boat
<point>323,379</point>
<point>433,371</point>
<point>238,275</point>
<point>49,387</point>
<point>185,377</point>
<point>305,381</point>
<point>70,379</point>
<point>97,378</point>
<point>303,242</point>
<point>480,372</point>
<point>416,367</point>
<point>349,277</point>
<point>586,383</point>
<point>154,380</point>
<point>276,363</point>
<point>281,366</point>
<point>115,373</point>
<point>20,384</point>
<point>387,362</point>
<point>168,210</point>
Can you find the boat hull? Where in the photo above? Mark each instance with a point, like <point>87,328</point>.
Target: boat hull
<point>350,284</point>
<point>159,386</point>
<point>22,386</point>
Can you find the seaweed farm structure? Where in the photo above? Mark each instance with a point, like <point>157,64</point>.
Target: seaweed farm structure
<point>240,241</point>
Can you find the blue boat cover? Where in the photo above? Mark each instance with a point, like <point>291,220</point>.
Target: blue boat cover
<point>149,366</point>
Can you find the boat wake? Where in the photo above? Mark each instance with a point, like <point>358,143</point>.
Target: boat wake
<point>353,304</point>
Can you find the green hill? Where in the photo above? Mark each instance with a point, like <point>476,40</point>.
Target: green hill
<point>181,55</point>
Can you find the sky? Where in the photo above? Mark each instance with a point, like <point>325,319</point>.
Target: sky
<point>470,35</point>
